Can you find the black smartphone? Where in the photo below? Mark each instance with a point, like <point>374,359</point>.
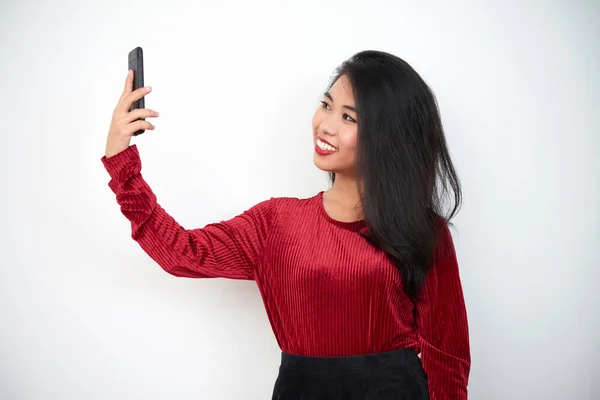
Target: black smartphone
<point>136,63</point>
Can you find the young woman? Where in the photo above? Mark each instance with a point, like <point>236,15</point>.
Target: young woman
<point>358,280</point>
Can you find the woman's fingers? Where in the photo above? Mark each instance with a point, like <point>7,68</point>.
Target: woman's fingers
<point>126,89</point>
<point>128,82</point>
<point>136,95</point>
<point>125,123</point>
<point>135,126</point>
<point>126,102</point>
<point>128,96</point>
<point>139,113</point>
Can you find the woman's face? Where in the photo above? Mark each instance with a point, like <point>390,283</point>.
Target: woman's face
<point>335,130</point>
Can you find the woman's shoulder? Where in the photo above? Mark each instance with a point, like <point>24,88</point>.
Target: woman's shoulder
<point>295,201</point>
<point>290,206</point>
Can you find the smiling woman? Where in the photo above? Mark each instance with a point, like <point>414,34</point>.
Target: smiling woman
<point>352,316</point>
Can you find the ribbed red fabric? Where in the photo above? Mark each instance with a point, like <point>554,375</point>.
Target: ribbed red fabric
<point>326,290</point>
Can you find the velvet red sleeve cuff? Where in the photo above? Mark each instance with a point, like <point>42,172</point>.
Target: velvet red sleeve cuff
<point>115,164</point>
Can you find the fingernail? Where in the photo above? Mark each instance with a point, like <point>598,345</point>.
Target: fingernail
<point>148,87</point>
<point>156,113</point>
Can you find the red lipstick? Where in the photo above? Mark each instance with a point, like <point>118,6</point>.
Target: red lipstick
<point>323,152</point>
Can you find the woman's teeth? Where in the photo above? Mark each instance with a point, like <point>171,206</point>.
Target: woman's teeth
<point>325,146</point>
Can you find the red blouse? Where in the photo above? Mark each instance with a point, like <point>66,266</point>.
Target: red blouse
<point>326,290</point>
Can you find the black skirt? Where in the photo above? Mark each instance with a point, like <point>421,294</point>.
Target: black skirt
<point>393,375</point>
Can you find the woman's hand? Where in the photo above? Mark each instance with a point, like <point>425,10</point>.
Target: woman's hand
<point>125,123</point>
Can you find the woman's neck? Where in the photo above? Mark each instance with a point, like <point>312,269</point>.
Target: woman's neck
<point>343,199</point>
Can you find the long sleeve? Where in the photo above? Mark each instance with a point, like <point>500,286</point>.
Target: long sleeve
<point>442,325</point>
<point>229,249</point>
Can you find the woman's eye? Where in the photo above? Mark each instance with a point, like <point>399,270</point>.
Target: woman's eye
<point>347,117</point>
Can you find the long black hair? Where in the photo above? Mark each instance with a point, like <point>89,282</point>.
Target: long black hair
<point>402,162</point>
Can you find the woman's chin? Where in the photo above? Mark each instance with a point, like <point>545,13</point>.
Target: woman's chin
<point>322,164</point>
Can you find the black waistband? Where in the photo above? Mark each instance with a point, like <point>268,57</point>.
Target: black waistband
<point>389,359</point>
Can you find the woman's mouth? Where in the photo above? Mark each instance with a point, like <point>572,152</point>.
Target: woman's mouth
<point>323,148</point>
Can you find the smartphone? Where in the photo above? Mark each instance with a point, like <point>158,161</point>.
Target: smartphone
<point>136,63</point>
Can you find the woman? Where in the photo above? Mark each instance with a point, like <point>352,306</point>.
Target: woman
<point>358,280</point>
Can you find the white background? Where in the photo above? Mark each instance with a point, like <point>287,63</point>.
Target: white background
<point>85,314</point>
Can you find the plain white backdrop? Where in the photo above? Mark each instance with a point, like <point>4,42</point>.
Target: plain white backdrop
<point>85,314</point>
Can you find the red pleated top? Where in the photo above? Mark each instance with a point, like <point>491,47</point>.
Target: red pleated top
<point>326,290</point>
